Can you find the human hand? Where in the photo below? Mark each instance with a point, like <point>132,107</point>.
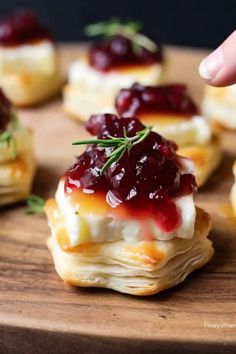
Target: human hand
<point>219,68</point>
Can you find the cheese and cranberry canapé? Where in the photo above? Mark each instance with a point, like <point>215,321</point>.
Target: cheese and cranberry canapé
<point>29,69</point>
<point>124,215</point>
<point>109,65</point>
<point>172,113</point>
<point>17,163</point>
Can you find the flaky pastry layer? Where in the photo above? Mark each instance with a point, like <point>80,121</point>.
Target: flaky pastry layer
<point>141,268</point>
<point>206,158</point>
<point>220,107</point>
<point>26,89</point>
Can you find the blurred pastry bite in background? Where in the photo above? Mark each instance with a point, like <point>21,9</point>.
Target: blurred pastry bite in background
<point>29,68</point>
<point>172,113</point>
<point>17,162</point>
<point>219,105</point>
<point>121,58</point>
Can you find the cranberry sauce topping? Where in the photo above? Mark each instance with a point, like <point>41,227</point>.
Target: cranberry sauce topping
<point>20,28</point>
<point>145,180</point>
<point>120,51</point>
<point>5,111</point>
<point>161,99</point>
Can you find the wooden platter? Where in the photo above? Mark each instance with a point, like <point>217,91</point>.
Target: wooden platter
<point>40,314</point>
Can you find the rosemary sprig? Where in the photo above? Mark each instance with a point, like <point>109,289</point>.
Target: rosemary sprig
<point>35,204</point>
<point>112,27</point>
<point>120,145</point>
<point>7,138</point>
<point>128,29</point>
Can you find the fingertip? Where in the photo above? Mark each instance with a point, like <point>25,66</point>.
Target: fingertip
<point>219,68</point>
<point>203,71</point>
<point>210,67</point>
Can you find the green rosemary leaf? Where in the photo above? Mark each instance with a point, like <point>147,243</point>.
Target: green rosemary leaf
<point>112,158</point>
<point>142,135</point>
<point>35,204</point>
<point>142,41</point>
<point>116,151</point>
<point>90,141</point>
<point>7,139</point>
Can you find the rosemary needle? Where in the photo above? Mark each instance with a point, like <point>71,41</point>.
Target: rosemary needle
<point>35,204</point>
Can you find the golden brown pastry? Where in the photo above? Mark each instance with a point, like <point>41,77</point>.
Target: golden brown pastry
<point>220,107</point>
<point>123,216</point>
<point>96,76</point>
<point>29,68</point>
<point>172,113</point>
<point>17,163</point>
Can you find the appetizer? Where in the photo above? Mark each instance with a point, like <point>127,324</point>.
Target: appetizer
<point>123,216</point>
<point>17,163</point>
<point>219,106</point>
<point>172,113</point>
<point>122,58</point>
<point>29,71</point>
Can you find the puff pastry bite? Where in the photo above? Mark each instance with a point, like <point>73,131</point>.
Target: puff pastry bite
<point>220,107</point>
<point>17,163</point>
<point>123,216</point>
<point>172,113</point>
<point>29,70</point>
<point>118,61</point>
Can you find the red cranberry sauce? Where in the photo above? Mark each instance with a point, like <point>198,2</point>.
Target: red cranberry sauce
<point>120,51</point>
<point>5,111</point>
<point>22,27</point>
<point>150,99</point>
<point>144,181</point>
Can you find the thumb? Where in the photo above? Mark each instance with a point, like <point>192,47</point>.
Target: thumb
<point>219,68</point>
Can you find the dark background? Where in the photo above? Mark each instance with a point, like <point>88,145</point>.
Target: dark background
<point>182,22</point>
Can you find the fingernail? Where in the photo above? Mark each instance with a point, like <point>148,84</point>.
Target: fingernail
<point>212,64</point>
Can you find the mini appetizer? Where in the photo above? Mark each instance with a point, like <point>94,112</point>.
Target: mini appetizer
<point>123,216</point>
<point>124,57</point>
<point>172,113</point>
<point>29,71</point>
<point>219,106</point>
<point>17,163</point>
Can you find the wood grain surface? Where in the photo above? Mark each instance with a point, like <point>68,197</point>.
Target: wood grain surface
<point>41,314</point>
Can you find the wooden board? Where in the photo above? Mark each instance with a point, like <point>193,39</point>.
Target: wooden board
<point>40,314</point>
